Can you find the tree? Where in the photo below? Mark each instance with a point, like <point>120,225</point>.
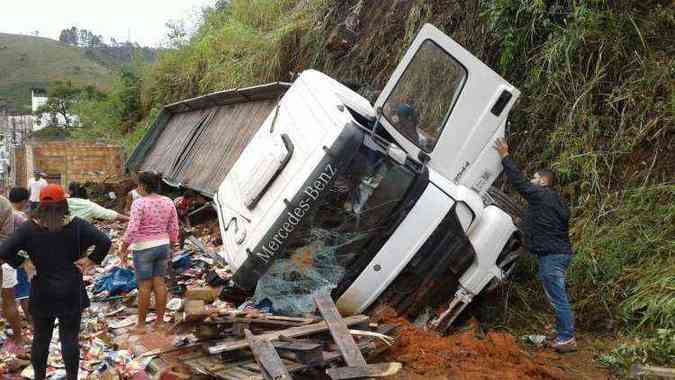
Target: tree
<point>61,96</point>
<point>177,33</point>
<point>222,5</point>
<point>70,36</point>
<point>81,37</point>
<point>89,40</point>
<point>114,114</point>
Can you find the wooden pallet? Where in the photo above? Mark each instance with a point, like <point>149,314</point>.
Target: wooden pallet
<point>276,355</point>
<point>245,366</point>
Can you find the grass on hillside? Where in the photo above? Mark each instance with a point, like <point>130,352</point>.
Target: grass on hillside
<point>28,61</point>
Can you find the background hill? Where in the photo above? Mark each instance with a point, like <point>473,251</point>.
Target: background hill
<point>28,61</point>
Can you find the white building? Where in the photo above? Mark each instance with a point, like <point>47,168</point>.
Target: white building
<point>39,99</point>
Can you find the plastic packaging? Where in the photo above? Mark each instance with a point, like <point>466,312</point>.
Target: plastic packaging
<point>117,281</point>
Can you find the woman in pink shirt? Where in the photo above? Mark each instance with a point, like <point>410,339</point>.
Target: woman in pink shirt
<point>152,231</point>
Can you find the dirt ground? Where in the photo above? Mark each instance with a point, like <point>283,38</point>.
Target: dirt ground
<point>469,355</point>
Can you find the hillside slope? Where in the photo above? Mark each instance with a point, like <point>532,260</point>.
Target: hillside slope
<point>597,107</point>
<point>27,61</point>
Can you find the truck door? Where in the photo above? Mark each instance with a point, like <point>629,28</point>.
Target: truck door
<point>444,105</point>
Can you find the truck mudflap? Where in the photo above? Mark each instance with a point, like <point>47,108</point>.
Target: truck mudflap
<point>303,203</point>
<point>432,276</point>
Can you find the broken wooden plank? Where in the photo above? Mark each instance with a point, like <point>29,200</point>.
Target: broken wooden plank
<point>242,373</point>
<point>214,366</point>
<point>303,340</point>
<point>310,354</point>
<point>296,346</point>
<point>238,329</point>
<point>292,332</point>
<point>259,321</point>
<point>389,330</point>
<point>339,331</point>
<point>304,321</point>
<point>267,358</point>
<point>370,370</point>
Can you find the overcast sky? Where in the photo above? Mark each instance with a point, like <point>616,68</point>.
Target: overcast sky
<point>142,21</point>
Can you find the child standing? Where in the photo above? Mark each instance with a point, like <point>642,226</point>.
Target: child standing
<point>18,196</point>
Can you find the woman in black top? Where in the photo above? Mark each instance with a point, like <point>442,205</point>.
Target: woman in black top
<point>56,245</point>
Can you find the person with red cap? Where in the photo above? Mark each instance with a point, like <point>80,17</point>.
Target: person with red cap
<point>57,247</point>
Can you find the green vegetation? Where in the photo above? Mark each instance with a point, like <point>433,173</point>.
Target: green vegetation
<point>598,108</point>
<point>656,349</point>
<point>115,114</point>
<point>27,61</point>
<point>239,44</point>
<point>113,54</point>
<point>244,44</point>
<point>62,96</point>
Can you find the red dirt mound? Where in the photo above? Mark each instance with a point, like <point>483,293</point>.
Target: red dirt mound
<point>464,355</point>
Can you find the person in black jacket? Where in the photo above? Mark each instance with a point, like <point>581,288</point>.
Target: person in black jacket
<point>57,246</point>
<point>546,236</point>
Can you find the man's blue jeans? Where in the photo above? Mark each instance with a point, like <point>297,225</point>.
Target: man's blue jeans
<point>552,273</point>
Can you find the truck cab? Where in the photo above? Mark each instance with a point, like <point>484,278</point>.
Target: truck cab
<point>376,204</point>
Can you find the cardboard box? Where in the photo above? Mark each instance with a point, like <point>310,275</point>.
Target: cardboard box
<point>206,294</point>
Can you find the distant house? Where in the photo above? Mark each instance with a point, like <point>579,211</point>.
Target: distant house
<point>39,99</point>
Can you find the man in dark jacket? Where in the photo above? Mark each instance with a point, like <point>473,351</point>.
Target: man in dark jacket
<point>547,236</point>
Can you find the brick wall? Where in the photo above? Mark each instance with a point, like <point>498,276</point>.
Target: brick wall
<point>69,161</point>
<point>19,171</point>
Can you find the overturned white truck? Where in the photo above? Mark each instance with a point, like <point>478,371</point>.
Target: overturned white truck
<point>376,204</point>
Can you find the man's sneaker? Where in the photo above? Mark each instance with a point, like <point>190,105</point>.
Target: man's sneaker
<point>563,346</point>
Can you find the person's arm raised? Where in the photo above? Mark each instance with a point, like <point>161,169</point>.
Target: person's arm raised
<point>519,182</point>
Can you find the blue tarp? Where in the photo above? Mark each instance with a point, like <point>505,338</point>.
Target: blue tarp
<point>117,281</point>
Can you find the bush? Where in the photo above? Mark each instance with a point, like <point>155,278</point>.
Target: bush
<point>656,349</point>
<point>597,107</point>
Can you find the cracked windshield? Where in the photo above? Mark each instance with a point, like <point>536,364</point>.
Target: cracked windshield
<point>359,207</point>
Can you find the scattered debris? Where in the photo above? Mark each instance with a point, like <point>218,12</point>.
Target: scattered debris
<point>209,335</point>
<point>216,333</point>
<point>536,340</point>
